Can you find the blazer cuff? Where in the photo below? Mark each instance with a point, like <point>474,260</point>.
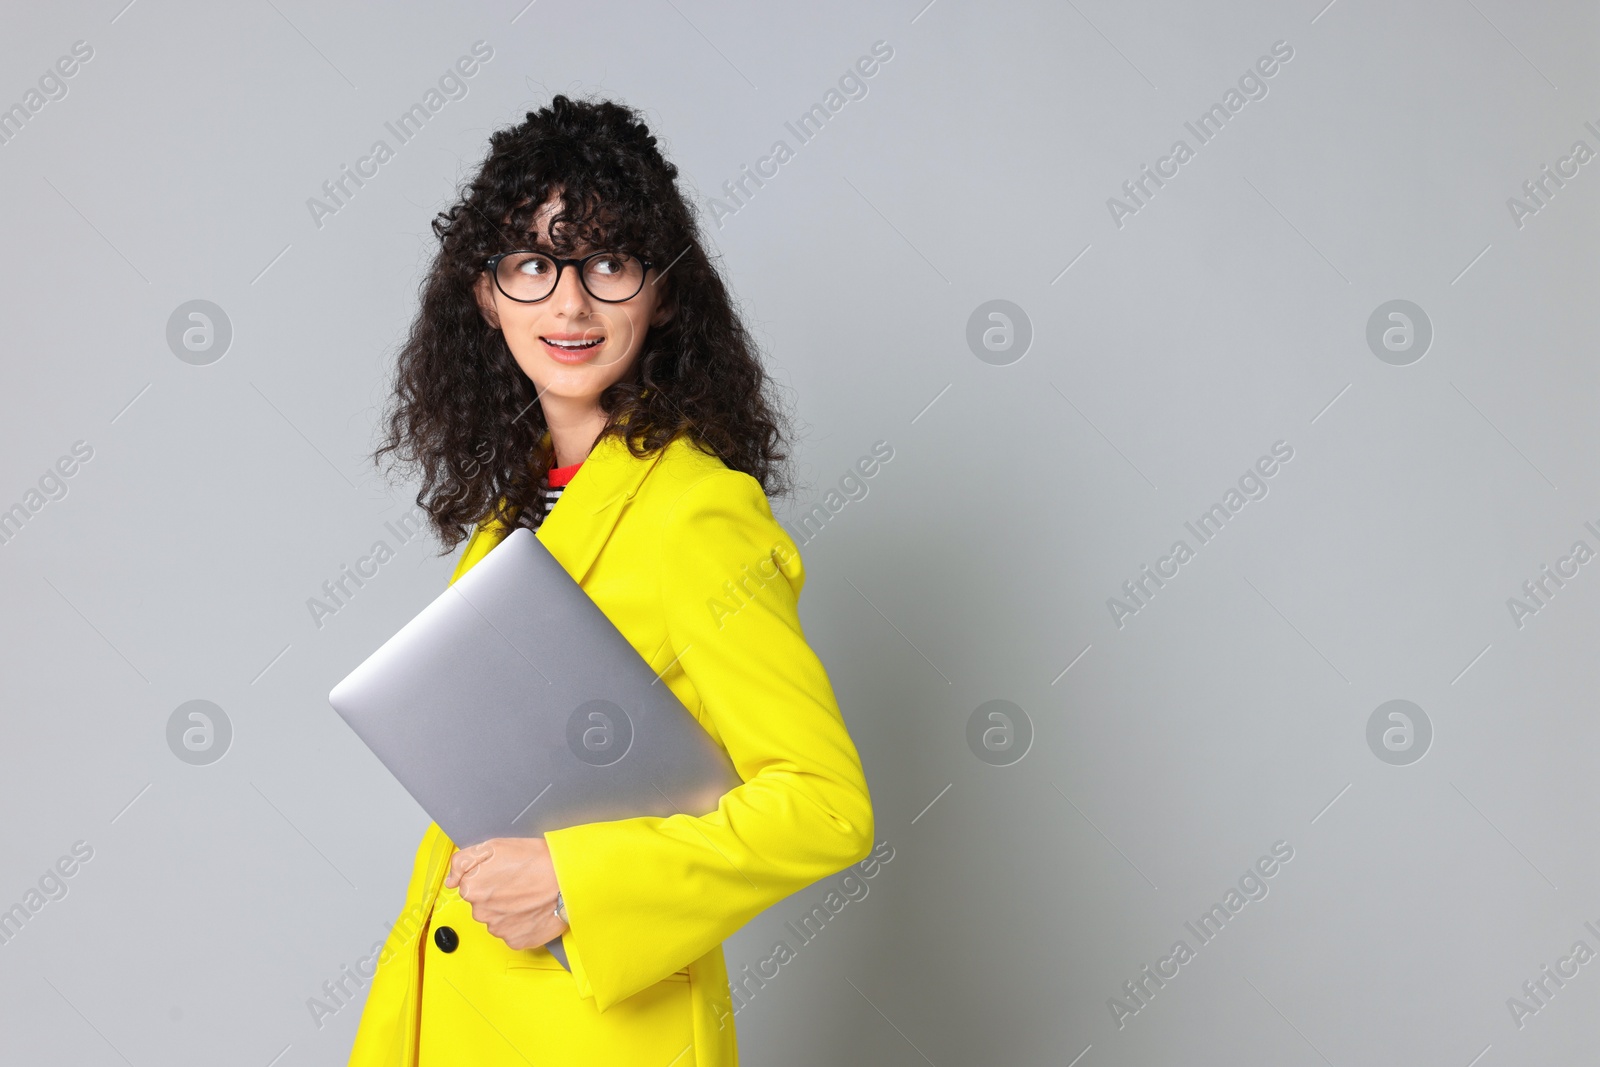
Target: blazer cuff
<point>575,960</point>
<point>571,941</point>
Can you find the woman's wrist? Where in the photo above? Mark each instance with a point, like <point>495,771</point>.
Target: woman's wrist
<point>561,908</point>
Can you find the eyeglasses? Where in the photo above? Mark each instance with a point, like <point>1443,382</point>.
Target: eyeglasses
<point>528,277</point>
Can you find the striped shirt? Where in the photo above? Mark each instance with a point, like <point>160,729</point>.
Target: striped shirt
<point>555,482</point>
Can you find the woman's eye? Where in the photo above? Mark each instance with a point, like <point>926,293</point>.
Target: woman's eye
<point>607,265</point>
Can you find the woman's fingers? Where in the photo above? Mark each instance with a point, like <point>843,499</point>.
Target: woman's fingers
<point>465,860</point>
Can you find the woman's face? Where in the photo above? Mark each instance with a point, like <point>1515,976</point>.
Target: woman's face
<point>571,314</point>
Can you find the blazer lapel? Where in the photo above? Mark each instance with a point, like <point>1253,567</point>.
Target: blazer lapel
<point>578,526</point>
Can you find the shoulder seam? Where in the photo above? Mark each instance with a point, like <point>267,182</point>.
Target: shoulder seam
<point>692,486</point>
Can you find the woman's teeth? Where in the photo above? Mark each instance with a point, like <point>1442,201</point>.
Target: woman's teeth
<point>572,346</point>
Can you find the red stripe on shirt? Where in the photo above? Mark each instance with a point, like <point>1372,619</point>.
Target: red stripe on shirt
<point>562,475</point>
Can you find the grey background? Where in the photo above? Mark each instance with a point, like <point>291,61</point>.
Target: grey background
<point>1228,314</point>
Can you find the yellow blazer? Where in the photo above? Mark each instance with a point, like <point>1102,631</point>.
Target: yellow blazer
<point>684,556</point>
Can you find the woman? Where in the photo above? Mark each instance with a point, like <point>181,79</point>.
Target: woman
<point>577,367</point>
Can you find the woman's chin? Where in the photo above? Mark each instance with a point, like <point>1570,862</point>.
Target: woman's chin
<point>567,382</point>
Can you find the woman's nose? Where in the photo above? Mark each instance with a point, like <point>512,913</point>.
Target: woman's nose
<point>570,293</point>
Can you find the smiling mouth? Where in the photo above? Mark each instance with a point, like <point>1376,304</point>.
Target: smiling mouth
<point>574,346</point>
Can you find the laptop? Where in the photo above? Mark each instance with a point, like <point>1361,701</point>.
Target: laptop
<point>512,706</point>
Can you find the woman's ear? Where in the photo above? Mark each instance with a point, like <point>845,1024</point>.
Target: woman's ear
<point>483,293</point>
<point>664,313</point>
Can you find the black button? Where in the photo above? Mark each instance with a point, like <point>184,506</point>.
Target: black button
<point>446,939</point>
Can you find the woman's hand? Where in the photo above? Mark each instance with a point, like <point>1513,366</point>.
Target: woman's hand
<point>511,885</point>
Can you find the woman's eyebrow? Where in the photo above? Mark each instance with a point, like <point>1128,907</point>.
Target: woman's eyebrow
<point>577,253</point>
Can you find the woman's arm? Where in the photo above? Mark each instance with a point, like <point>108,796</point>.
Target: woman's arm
<point>646,896</point>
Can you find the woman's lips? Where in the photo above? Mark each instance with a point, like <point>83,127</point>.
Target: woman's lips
<point>571,355</point>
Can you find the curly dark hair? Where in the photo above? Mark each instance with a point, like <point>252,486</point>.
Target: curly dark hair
<point>463,414</point>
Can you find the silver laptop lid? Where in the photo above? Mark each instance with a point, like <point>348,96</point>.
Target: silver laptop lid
<point>511,706</point>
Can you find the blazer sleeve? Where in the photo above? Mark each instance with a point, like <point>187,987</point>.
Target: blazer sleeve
<point>646,896</point>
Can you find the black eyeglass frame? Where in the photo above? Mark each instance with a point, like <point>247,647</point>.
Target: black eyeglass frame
<point>492,265</point>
